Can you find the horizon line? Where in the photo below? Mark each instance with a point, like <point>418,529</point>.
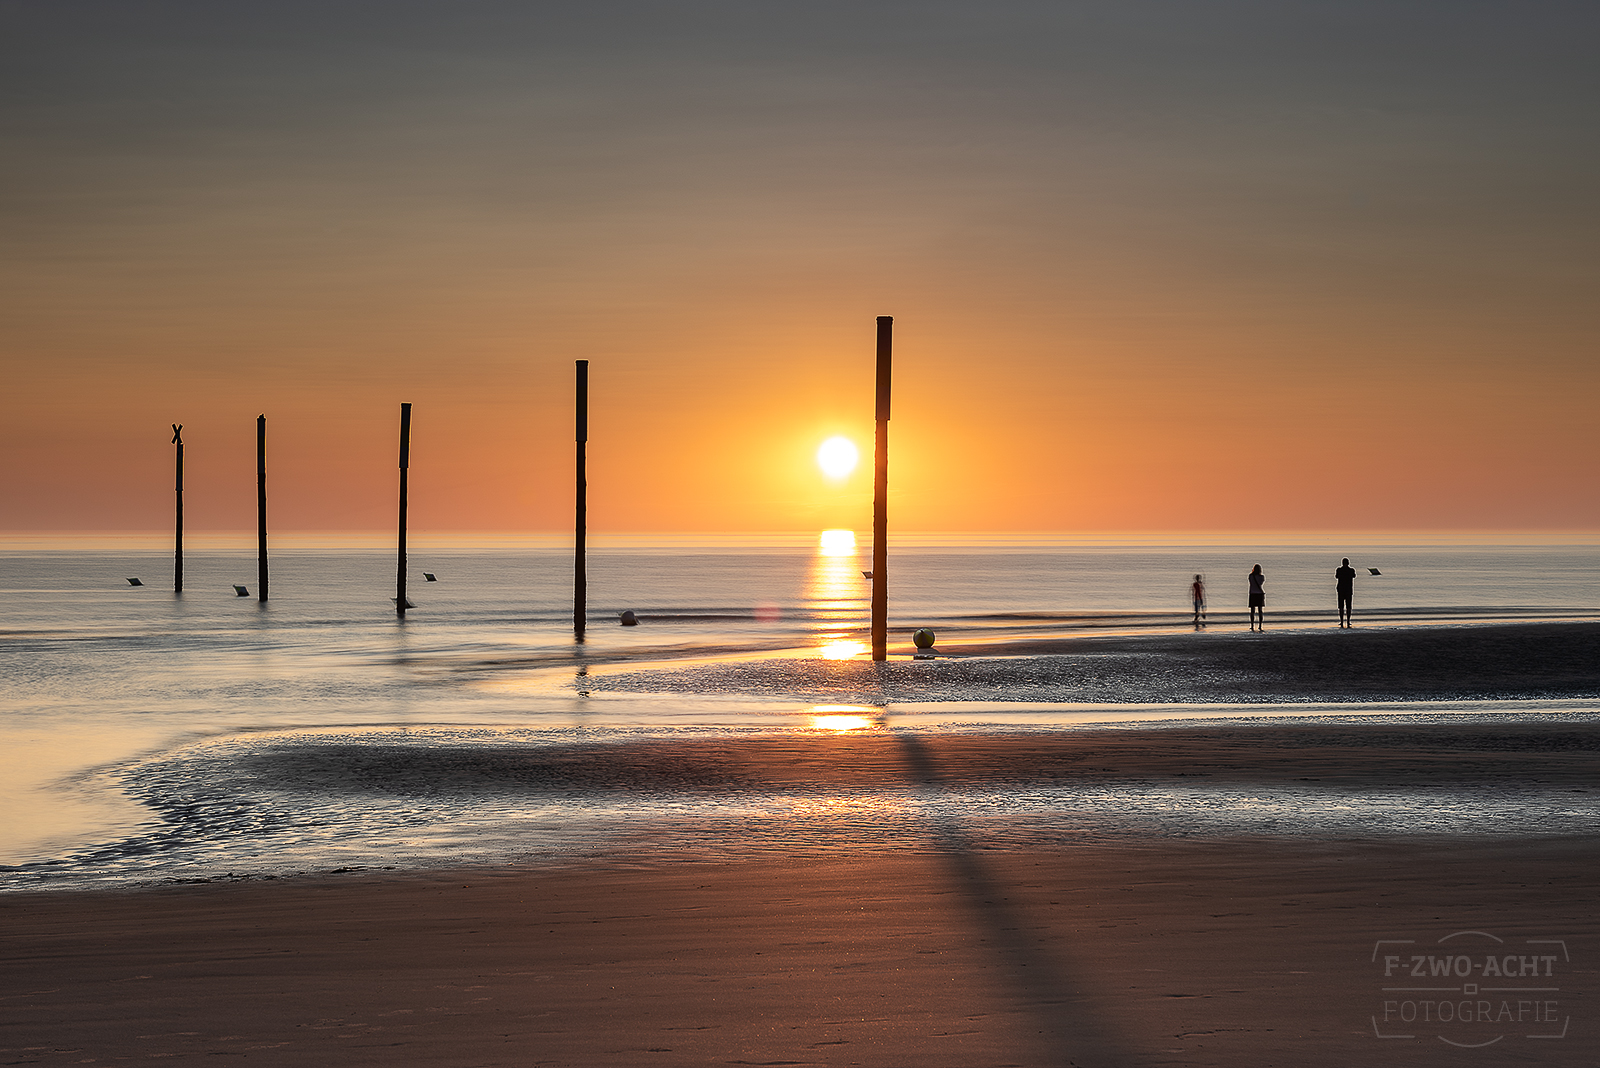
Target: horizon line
<point>488,540</point>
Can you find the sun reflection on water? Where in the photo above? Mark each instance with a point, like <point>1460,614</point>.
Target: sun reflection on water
<point>836,597</point>
<point>842,718</point>
<point>837,543</point>
<point>841,724</point>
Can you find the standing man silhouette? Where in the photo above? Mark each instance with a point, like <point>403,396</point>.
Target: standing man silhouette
<point>1198,592</point>
<point>1344,579</point>
<point>1258,599</point>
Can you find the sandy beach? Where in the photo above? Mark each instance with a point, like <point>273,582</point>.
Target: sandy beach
<point>959,943</point>
<point>1218,953</point>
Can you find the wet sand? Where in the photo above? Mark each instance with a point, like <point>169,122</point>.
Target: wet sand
<point>1507,662</point>
<point>948,951</point>
<point>944,951</point>
<point>1216,953</point>
<point>1360,754</point>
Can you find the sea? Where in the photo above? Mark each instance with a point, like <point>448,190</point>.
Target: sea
<point>148,737</point>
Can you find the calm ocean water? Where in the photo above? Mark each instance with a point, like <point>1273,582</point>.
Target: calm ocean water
<point>136,726</point>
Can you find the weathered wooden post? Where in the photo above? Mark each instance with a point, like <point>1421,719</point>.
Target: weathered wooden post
<point>880,496</point>
<point>580,567</point>
<point>177,551</point>
<point>261,508</point>
<point>405,464</point>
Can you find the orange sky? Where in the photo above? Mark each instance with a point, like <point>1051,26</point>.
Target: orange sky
<point>1316,268</point>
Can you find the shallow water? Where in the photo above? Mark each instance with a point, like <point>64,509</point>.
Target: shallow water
<point>135,724</point>
<point>286,802</point>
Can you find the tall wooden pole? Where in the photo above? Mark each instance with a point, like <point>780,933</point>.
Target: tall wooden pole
<point>580,567</point>
<point>405,464</point>
<point>880,496</point>
<point>177,550</point>
<point>261,508</point>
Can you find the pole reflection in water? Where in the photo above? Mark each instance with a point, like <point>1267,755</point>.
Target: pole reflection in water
<point>836,596</point>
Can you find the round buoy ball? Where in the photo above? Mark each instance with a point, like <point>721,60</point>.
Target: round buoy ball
<point>629,619</point>
<point>923,638</point>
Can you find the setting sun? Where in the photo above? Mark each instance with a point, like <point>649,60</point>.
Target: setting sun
<point>837,457</point>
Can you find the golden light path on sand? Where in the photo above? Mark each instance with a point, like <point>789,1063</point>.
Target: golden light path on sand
<point>843,718</point>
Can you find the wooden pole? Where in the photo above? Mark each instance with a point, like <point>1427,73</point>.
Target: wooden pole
<point>261,508</point>
<point>880,496</point>
<point>405,464</point>
<point>177,550</point>
<point>580,567</point>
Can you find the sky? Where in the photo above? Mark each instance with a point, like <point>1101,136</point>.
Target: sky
<point>1186,266</point>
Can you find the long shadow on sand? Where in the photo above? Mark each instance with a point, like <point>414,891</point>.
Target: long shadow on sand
<point>1060,1003</point>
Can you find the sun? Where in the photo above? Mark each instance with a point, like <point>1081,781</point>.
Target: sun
<point>837,457</point>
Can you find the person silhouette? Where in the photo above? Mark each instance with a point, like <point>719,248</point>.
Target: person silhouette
<point>1344,579</point>
<point>1258,599</point>
<point>1198,592</point>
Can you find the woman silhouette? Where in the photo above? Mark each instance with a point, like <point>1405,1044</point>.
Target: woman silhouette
<point>1258,600</point>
